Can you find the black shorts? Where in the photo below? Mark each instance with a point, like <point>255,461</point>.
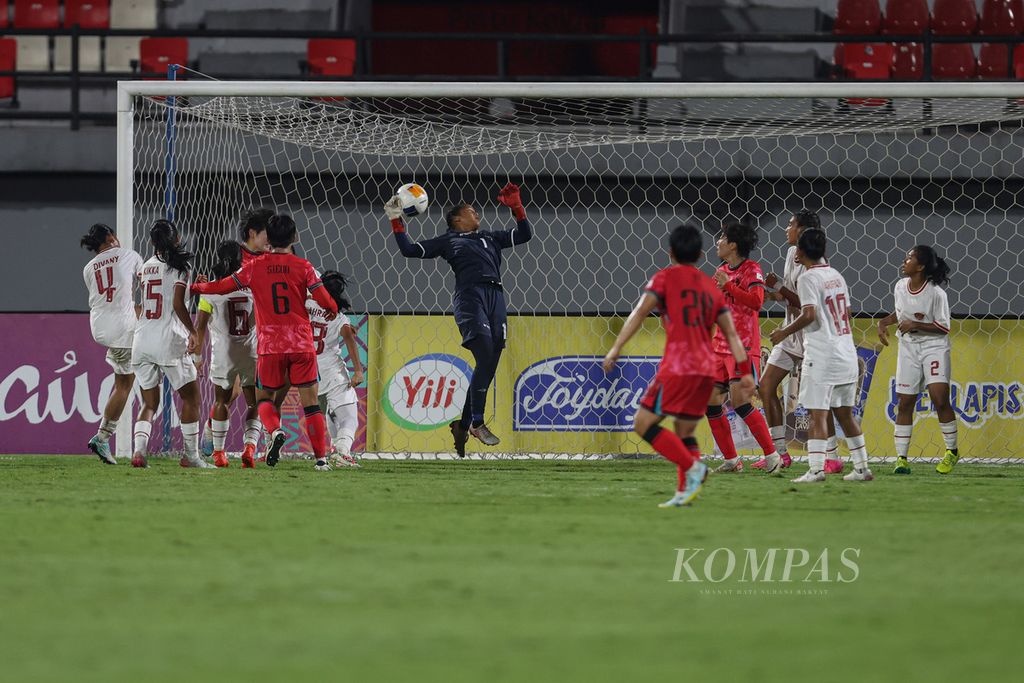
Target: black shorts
<point>480,312</point>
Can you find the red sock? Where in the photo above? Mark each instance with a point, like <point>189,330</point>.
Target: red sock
<point>316,427</point>
<point>269,416</point>
<point>671,447</point>
<point>723,434</point>
<point>758,426</point>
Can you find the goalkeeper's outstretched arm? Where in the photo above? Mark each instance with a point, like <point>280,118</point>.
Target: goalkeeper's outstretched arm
<point>406,245</point>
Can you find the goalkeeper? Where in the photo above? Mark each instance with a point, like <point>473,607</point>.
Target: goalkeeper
<point>479,301</point>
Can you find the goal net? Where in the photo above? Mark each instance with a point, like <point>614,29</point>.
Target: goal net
<point>606,170</point>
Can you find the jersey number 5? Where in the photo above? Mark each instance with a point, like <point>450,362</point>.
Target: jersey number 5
<point>840,314</point>
<point>106,287</point>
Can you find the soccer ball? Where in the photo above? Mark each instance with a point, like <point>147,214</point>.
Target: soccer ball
<point>413,199</point>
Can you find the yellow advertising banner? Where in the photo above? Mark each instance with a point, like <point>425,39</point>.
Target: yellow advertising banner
<point>551,396</point>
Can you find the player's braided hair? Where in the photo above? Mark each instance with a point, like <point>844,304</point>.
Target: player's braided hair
<point>936,270</point>
<point>96,237</point>
<point>335,284</point>
<point>807,219</point>
<point>229,259</point>
<point>164,235</point>
<point>743,235</point>
<point>256,220</point>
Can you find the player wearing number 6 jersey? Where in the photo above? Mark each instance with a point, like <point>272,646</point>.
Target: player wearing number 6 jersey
<point>110,278</point>
<point>229,318</point>
<point>829,370</point>
<point>922,312</point>
<point>690,307</point>
<point>279,282</point>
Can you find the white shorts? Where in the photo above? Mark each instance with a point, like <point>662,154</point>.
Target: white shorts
<point>120,360</point>
<point>818,396</point>
<point>224,377</point>
<point>783,360</point>
<point>178,374</point>
<point>337,392</point>
<point>918,365</point>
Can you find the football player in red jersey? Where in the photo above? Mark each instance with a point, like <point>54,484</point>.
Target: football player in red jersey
<point>742,282</point>
<point>279,282</point>
<point>690,306</point>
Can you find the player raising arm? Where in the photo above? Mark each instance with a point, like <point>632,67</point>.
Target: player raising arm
<point>164,341</point>
<point>923,362</point>
<point>110,278</point>
<point>479,302</point>
<point>229,318</point>
<point>690,306</point>
<point>279,282</point>
<point>829,369</point>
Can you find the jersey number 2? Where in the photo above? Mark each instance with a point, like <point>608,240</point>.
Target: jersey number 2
<point>106,287</point>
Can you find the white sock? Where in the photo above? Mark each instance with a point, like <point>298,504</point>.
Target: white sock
<point>816,454</point>
<point>949,434</point>
<point>832,448</point>
<point>106,429</point>
<point>779,438</point>
<point>858,453</point>
<point>902,438</point>
<point>219,428</point>
<point>142,431</point>
<point>252,432</point>
<point>190,435</point>
<point>345,421</point>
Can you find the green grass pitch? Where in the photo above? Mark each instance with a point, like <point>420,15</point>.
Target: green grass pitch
<point>498,571</point>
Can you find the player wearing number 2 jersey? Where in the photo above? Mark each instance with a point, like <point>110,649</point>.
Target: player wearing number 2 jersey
<point>279,282</point>
<point>829,370</point>
<point>110,279</point>
<point>690,307</point>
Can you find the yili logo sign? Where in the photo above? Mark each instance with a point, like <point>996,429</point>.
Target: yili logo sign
<point>427,392</point>
<point>573,394</point>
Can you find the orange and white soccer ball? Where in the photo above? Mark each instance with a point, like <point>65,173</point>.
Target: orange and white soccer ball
<point>413,199</point>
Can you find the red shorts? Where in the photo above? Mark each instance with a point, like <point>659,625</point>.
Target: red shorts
<point>683,396</point>
<point>276,370</point>
<point>725,368</point>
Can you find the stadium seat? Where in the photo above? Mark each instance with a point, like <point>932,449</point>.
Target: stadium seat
<point>907,61</point>
<point>156,53</point>
<point>3,13</point>
<point>120,53</point>
<point>8,62</point>
<point>905,17</point>
<point>87,13</point>
<point>133,14</point>
<point>864,61</point>
<point>329,57</point>
<point>1001,18</point>
<point>36,14</point>
<point>954,17</point>
<point>857,17</point>
<point>88,53</point>
<point>623,59</point>
<point>33,53</point>
<point>953,61</point>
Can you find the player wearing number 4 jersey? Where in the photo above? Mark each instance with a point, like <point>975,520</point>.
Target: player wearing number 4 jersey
<point>279,282</point>
<point>829,370</point>
<point>923,363</point>
<point>690,306</point>
<point>110,278</point>
<point>229,318</point>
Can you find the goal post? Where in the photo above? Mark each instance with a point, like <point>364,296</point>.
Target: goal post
<point>606,169</point>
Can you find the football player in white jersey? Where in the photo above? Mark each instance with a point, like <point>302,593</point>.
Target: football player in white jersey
<point>829,368</point>
<point>230,320</point>
<point>164,341</point>
<point>110,278</point>
<point>923,363</point>
<point>787,356</point>
<point>337,390</point>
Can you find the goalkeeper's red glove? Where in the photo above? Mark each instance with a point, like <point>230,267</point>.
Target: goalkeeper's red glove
<point>509,196</point>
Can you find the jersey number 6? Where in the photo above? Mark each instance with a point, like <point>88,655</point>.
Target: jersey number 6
<point>281,304</point>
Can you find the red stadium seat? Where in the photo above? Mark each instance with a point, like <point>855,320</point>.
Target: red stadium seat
<point>8,60</point>
<point>953,61</point>
<point>3,13</point>
<point>905,17</point>
<point>156,53</point>
<point>864,61</point>
<point>331,57</point>
<point>87,13</point>
<point>36,14</point>
<point>857,17</point>
<point>1001,18</point>
<point>908,61</point>
<point>623,59</point>
<point>954,17</point>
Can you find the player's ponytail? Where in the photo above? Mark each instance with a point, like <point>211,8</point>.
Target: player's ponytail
<point>229,259</point>
<point>335,284</point>
<point>936,270</point>
<point>164,236</point>
<point>96,237</point>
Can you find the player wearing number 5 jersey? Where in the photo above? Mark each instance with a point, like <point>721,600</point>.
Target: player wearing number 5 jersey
<point>829,370</point>
<point>229,318</point>
<point>923,363</point>
<point>110,278</point>
<point>164,340</point>
<point>279,282</point>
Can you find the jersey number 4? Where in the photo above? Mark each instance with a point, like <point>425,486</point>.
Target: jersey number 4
<point>840,313</point>
<point>105,283</point>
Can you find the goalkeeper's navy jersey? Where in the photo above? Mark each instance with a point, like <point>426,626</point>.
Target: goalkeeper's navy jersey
<point>475,257</point>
